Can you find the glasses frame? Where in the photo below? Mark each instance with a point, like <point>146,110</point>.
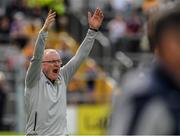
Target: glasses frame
<point>52,61</point>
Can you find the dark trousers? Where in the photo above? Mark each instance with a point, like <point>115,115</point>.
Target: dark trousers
<point>2,105</point>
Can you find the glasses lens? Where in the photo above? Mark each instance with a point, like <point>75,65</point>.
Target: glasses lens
<point>53,61</point>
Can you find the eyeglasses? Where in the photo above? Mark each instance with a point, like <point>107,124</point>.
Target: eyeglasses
<point>53,61</point>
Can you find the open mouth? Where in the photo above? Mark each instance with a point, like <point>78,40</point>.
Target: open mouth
<point>55,71</point>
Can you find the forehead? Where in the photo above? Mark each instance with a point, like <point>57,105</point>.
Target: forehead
<point>51,55</point>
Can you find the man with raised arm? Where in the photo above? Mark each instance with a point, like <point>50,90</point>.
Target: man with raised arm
<point>46,81</point>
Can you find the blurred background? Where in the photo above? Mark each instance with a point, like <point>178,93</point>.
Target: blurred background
<point>121,46</point>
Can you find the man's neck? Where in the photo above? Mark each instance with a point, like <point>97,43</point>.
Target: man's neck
<point>52,81</point>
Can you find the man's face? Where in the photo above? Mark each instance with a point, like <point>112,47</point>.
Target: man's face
<point>169,50</point>
<point>51,64</point>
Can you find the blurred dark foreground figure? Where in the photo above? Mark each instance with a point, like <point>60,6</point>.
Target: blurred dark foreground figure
<point>150,101</point>
<point>3,97</point>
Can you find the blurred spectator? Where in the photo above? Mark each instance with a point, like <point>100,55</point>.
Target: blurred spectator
<point>62,23</point>
<point>18,29</point>
<point>4,29</point>
<point>75,91</point>
<point>150,101</point>
<point>3,96</point>
<point>16,6</point>
<point>17,59</point>
<point>91,76</point>
<point>144,44</point>
<point>137,4</point>
<point>119,5</point>
<point>65,52</point>
<point>150,5</point>
<point>134,33</point>
<point>134,25</point>
<point>32,27</point>
<point>18,23</point>
<point>27,51</point>
<point>117,28</point>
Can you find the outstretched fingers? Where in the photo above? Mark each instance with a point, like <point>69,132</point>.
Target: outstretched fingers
<point>50,11</point>
<point>49,20</point>
<point>98,14</point>
<point>96,19</point>
<point>98,11</point>
<point>101,14</point>
<point>51,16</point>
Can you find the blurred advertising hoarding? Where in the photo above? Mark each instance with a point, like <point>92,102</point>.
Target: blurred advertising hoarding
<point>88,119</point>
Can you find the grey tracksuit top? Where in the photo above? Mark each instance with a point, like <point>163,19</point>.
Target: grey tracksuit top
<point>46,102</point>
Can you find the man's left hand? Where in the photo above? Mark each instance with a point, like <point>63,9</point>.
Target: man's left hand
<point>96,19</point>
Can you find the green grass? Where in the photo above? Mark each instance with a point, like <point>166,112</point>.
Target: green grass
<point>11,134</point>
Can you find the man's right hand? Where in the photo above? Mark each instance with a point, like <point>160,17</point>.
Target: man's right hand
<point>49,20</point>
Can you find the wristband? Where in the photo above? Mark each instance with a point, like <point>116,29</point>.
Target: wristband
<point>96,30</point>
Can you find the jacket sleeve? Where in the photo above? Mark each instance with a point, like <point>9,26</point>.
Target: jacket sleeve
<point>34,70</point>
<point>82,53</point>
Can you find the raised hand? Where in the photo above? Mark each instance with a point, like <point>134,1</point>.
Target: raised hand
<point>49,20</point>
<point>96,19</point>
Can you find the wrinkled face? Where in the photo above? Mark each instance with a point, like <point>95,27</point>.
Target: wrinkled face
<point>51,64</point>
